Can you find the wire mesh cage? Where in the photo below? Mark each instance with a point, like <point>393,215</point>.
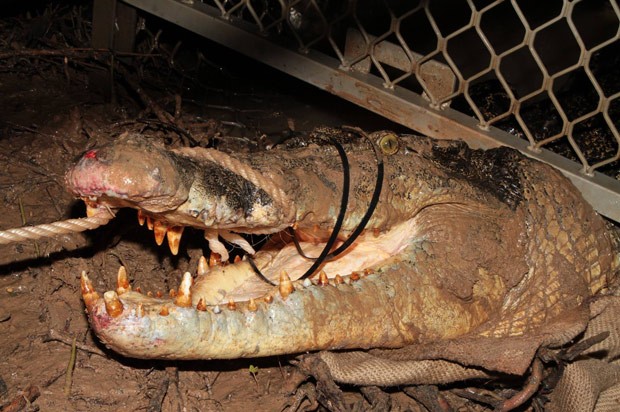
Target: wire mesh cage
<point>545,72</point>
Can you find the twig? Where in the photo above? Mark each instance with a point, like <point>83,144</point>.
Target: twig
<point>253,371</point>
<point>70,52</point>
<point>21,210</point>
<point>47,189</point>
<point>528,390</point>
<point>162,115</point>
<point>70,366</point>
<point>57,337</point>
<point>429,397</point>
<point>174,371</point>
<point>572,352</point>
<point>22,400</point>
<point>65,67</point>
<point>155,404</point>
<point>23,215</point>
<point>16,126</point>
<point>210,382</point>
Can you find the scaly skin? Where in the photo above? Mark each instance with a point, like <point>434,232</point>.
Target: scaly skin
<point>462,243</point>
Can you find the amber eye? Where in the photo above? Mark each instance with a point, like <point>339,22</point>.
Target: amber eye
<point>388,143</point>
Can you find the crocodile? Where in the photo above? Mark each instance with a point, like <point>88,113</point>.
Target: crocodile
<point>462,243</point>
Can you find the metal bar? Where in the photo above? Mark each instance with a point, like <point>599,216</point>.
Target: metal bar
<point>438,76</point>
<point>104,16</point>
<point>398,104</point>
<point>124,37</point>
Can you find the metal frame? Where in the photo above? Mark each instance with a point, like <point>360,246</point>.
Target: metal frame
<point>430,115</point>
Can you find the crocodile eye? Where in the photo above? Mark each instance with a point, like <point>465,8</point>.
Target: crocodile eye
<point>388,143</point>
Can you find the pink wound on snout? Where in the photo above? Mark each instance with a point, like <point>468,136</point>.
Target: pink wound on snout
<point>91,154</point>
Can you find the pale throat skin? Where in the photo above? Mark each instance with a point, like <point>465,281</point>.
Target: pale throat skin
<point>454,247</point>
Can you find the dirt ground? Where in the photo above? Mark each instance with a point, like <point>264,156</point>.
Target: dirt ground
<point>52,110</point>
<point>58,99</point>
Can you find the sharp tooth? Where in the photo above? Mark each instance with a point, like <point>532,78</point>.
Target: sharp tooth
<point>306,283</point>
<point>201,305</point>
<point>238,240</point>
<point>252,305</point>
<point>138,289</point>
<point>174,238</point>
<point>159,228</point>
<point>184,296</point>
<point>89,294</point>
<point>158,294</point>
<point>215,245</point>
<point>149,223</point>
<point>91,210</point>
<point>164,311</point>
<point>214,260</point>
<point>140,310</point>
<point>216,309</point>
<point>339,280</point>
<point>113,305</point>
<point>149,294</point>
<point>323,280</point>
<point>232,305</point>
<point>268,299</point>
<point>141,218</point>
<point>286,286</point>
<point>237,259</point>
<point>122,283</point>
<point>354,277</point>
<point>172,293</point>
<point>203,266</point>
<point>86,284</point>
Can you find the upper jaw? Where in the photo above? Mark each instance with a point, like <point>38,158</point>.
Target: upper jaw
<point>219,283</point>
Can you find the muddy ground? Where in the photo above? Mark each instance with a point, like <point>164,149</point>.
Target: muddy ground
<point>58,99</point>
<point>52,109</point>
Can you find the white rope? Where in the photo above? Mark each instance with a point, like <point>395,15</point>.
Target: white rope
<point>48,230</point>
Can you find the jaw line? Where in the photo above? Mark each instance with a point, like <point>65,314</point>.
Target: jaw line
<point>219,283</point>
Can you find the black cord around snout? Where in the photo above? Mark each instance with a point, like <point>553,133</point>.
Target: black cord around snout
<point>344,201</point>
<point>374,200</point>
<point>325,255</point>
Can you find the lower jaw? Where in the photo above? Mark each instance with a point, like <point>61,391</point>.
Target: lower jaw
<point>221,284</point>
<point>296,316</point>
<point>229,312</point>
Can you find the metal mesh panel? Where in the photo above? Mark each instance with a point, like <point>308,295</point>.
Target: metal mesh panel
<point>544,71</point>
<point>534,56</point>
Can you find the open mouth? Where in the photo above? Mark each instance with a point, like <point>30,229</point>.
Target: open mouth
<point>301,290</point>
<point>225,281</point>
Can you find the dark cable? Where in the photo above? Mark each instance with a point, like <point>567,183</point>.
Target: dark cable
<point>344,201</point>
<point>259,273</point>
<point>369,212</point>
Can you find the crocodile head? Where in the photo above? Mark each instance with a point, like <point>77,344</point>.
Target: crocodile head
<point>441,256</point>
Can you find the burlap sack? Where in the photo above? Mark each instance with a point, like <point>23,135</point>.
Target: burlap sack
<point>590,383</point>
